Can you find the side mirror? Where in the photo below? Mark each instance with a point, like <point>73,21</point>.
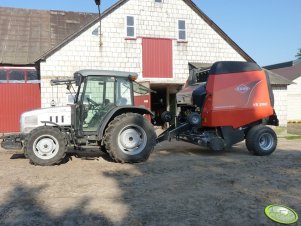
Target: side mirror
<point>78,79</point>
<point>68,86</point>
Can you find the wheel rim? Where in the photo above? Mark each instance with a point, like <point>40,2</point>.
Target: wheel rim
<point>132,140</point>
<point>46,147</point>
<point>266,141</point>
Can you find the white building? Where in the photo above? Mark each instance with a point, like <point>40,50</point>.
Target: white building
<point>291,70</point>
<point>158,39</point>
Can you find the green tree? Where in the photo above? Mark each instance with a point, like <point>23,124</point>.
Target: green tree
<point>298,55</point>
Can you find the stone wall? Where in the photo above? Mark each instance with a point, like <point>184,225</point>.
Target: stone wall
<point>281,100</point>
<point>294,100</point>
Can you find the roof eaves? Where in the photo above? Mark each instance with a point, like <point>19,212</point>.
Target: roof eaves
<point>280,65</point>
<point>17,64</point>
<point>215,27</point>
<point>298,61</point>
<point>198,65</point>
<point>296,76</point>
<point>82,30</point>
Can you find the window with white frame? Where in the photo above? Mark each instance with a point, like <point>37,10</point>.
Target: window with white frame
<point>182,35</point>
<point>159,1</point>
<point>130,27</point>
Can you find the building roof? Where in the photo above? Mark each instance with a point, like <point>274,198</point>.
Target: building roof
<point>276,79</point>
<point>198,65</point>
<point>283,65</point>
<point>27,34</point>
<point>122,2</point>
<point>291,70</point>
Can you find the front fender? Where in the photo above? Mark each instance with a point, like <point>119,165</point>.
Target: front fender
<point>118,111</point>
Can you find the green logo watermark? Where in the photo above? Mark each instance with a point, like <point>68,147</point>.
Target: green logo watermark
<point>281,214</point>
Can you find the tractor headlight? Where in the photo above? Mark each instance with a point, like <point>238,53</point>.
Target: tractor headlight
<point>27,122</point>
<point>31,120</point>
<point>133,77</point>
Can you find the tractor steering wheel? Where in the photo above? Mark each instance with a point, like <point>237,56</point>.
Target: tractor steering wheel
<point>92,104</point>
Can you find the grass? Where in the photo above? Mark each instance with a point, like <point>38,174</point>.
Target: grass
<point>293,137</point>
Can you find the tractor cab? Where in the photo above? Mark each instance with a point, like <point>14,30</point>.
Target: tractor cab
<point>98,93</point>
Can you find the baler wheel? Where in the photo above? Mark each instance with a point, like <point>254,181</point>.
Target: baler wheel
<point>261,140</point>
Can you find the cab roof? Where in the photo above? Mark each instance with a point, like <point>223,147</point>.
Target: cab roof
<point>92,72</point>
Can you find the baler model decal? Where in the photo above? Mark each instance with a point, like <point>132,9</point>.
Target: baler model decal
<point>255,84</point>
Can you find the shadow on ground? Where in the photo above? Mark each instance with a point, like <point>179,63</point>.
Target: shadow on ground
<point>177,187</point>
<point>23,208</point>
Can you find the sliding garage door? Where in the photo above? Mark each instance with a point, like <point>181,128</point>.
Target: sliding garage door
<point>19,92</point>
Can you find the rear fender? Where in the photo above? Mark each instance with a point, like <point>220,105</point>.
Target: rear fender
<point>273,120</point>
<point>118,111</point>
<point>232,136</point>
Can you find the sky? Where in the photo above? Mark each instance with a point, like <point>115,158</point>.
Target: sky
<point>268,30</point>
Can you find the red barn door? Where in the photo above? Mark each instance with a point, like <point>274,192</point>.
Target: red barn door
<point>157,58</point>
<point>19,92</point>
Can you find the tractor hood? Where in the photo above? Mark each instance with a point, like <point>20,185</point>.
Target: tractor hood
<point>32,119</point>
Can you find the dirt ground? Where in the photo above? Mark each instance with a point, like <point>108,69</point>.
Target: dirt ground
<point>294,128</point>
<point>181,184</point>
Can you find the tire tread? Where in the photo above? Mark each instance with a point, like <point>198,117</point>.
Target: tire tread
<point>252,140</point>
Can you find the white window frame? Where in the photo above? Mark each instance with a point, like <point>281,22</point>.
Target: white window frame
<point>178,30</point>
<point>126,26</point>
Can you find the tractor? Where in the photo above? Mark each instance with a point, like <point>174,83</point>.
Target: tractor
<point>103,117</point>
<point>225,104</point>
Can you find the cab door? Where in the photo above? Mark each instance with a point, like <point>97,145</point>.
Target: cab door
<point>97,100</point>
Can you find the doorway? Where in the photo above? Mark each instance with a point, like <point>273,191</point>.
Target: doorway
<point>158,104</point>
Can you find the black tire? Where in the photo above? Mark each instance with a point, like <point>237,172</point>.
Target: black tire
<point>217,144</point>
<point>129,138</point>
<point>45,146</point>
<point>261,140</point>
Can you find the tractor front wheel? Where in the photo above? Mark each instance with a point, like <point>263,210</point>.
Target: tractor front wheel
<point>129,138</point>
<point>45,146</point>
<point>261,140</point>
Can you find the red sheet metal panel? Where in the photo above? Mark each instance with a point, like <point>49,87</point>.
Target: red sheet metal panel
<point>157,58</point>
<point>143,100</point>
<point>14,100</point>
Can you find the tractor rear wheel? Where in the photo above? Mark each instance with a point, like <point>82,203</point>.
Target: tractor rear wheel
<point>261,140</point>
<point>45,146</point>
<point>129,138</point>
